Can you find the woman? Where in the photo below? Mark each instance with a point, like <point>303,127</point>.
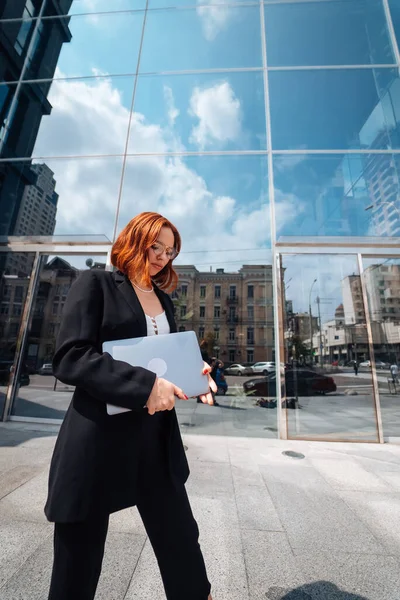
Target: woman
<point>103,463</point>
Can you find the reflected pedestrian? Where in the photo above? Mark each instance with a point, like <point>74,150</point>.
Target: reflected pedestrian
<point>394,370</point>
<point>355,367</point>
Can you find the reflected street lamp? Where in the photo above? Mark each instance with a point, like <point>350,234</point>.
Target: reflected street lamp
<point>310,316</point>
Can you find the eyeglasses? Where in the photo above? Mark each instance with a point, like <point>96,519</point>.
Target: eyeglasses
<point>159,248</point>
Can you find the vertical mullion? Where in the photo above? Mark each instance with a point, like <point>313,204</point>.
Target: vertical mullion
<point>22,336</point>
<point>281,418</point>
<point>377,403</point>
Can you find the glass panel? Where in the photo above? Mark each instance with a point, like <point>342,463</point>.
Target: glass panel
<point>336,109</point>
<point>65,197</point>
<point>222,111</point>
<point>70,117</point>
<point>102,6</point>
<point>382,282</point>
<point>220,206</point>
<point>340,32</point>
<point>79,46</point>
<point>196,39</point>
<point>15,272</point>
<point>337,195</point>
<point>328,381</point>
<point>46,397</point>
<point>395,13</point>
<point>219,11</point>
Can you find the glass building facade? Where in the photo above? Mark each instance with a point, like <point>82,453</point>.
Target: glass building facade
<point>269,133</point>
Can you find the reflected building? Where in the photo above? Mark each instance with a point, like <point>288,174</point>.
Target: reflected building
<point>29,50</point>
<point>36,216</point>
<point>13,290</point>
<point>383,284</point>
<point>56,279</point>
<point>381,172</point>
<point>353,305</point>
<point>233,310</point>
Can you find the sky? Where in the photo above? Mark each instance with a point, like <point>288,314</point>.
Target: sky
<point>220,203</point>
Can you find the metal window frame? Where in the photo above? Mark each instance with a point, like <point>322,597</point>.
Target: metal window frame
<point>40,247</point>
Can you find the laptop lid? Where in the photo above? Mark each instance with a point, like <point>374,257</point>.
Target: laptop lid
<point>174,356</point>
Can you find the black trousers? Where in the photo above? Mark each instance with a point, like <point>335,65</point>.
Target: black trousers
<point>168,519</point>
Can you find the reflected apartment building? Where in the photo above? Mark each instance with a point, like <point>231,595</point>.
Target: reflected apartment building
<point>345,338</point>
<point>233,312</point>
<point>56,278</point>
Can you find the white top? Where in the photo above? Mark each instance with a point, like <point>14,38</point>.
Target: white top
<point>157,325</point>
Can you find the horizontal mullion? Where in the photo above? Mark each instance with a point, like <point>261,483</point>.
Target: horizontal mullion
<point>302,151</point>
<point>210,71</point>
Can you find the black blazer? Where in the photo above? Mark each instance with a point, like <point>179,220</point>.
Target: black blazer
<point>94,464</point>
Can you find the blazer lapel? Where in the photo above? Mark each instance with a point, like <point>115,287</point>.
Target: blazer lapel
<point>125,288</point>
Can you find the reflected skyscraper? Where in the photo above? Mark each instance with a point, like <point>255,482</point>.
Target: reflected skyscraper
<point>29,50</point>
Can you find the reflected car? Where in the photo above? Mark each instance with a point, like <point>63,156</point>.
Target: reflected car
<point>381,365</point>
<point>46,369</point>
<point>237,369</point>
<point>366,364</point>
<point>263,367</point>
<point>307,383</point>
<point>5,373</point>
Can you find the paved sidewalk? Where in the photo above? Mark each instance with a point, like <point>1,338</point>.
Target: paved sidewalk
<point>273,527</point>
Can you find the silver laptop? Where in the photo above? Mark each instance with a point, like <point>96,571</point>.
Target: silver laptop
<point>174,356</point>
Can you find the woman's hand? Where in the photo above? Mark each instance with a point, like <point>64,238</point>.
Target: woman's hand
<point>208,398</point>
<point>162,396</point>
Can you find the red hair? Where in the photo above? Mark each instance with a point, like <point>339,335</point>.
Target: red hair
<point>129,251</point>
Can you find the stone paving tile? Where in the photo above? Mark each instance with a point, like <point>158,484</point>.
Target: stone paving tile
<point>314,515</point>
<point>15,477</point>
<point>18,541</point>
<point>207,478</point>
<point>269,562</point>
<point>333,576</point>
<point>32,580</point>
<point>380,513</point>
<point>349,475</point>
<point>27,502</point>
<point>256,509</point>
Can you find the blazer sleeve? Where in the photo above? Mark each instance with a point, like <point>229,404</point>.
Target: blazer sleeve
<point>77,360</point>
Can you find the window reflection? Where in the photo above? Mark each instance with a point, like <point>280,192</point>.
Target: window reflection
<point>334,32</point>
<point>339,109</point>
<point>102,6</point>
<point>382,282</point>
<point>199,112</point>
<point>208,37</point>
<point>327,361</point>
<point>395,14</point>
<point>40,395</point>
<point>76,46</point>
<point>66,197</point>
<point>340,195</point>
<point>67,118</point>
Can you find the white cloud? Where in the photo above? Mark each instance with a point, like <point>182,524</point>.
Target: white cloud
<point>82,111</point>
<point>214,18</point>
<point>89,188</point>
<point>219,114</point>
<point>173,112</point>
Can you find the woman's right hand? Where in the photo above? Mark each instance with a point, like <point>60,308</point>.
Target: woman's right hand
<point>162,396</point>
